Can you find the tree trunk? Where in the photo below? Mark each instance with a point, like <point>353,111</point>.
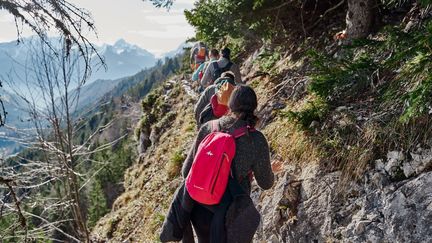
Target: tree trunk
<point>359,18</point>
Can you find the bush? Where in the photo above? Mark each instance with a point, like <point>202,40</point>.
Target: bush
<point>267,59</point>
<point>252,20</point>
<point>175,163</point>
<point>314,110</point>
<point>337,77</point>
<point>148,102</point>
<point>402,60</point>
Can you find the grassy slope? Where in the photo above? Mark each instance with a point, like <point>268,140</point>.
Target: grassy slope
<point>150,182</point>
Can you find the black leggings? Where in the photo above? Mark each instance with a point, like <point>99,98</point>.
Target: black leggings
<point>201,220</point>
<point>208,221</point>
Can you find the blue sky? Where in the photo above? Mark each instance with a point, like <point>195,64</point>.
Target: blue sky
<point>138,22</point>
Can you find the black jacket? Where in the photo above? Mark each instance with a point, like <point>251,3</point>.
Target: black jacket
<point>235,219</point>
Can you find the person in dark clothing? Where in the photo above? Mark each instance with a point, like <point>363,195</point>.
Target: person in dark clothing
<point>225,64</point>
<point>252,154</point>
<point>204,111</point>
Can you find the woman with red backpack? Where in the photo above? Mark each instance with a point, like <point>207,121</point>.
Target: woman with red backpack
<point>231,216</point>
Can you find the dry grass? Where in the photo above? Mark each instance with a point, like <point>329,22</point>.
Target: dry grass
<point>174,165</point>
<point>290,143</point>
<point>151,182</point>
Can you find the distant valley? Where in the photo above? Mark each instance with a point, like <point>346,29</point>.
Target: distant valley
<point>125,63</point>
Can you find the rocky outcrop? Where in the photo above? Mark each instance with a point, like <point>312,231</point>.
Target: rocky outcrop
<point>312,207</point>
<point>144,141</point>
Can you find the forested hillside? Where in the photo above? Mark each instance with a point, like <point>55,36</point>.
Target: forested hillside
<point>344,98</point>
<point>107,127</point>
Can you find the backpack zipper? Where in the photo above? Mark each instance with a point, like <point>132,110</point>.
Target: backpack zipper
<point>217,175</point>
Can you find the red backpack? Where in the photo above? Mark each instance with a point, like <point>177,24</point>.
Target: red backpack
<point>219,110</point>
<point>208,178</point>
<point>201,53</point>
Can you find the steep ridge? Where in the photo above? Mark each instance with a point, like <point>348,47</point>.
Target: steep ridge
<point>348,167</point>
<point>150,182</point>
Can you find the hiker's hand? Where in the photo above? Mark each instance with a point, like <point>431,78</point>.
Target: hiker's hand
<point>277,166</point>
<point>224,93</point>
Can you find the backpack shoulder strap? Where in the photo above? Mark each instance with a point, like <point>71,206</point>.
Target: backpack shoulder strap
<point>229,65</point>
<point>215,65</point>
<point>242,131</point>
<point>214,125</point>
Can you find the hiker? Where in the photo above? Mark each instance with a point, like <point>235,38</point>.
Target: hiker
<point>199,54</point>
<point>216,68</point>
<point>234,218</point>
<point>213,102</point>
<point>199,73</point>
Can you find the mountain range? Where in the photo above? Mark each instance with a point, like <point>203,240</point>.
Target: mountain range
<point>124,62</point>
<point>121,59</point>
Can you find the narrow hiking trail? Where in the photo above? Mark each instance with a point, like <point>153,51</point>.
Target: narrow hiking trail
<point>311,200</point>
<point>306,204</point>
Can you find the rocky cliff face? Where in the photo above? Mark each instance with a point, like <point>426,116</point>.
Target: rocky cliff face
<point>307,205</point>
<point>310,201</point>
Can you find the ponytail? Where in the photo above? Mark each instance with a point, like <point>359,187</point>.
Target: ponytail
<point>250,118</point>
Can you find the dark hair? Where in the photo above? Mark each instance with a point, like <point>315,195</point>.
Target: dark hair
<point>214,52</point>
<point>228,74</point>
<point>226,52</point>
<point>243,103</point>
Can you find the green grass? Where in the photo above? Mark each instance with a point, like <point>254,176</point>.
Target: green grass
<point>175,163</point>
<point>314,110</point>
<point>268,58</point>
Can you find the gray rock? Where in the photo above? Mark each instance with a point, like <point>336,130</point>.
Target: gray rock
<point>421,160</point>
<point>314,124</point>
<point>361,226</point>
<point>341,109</point>
<point>394,162</point>
<point>376,210</point>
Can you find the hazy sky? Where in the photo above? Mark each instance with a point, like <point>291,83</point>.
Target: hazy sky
<point>138,22</point>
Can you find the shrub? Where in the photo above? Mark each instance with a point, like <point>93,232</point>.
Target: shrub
<point>253,20</point>
<point>149,101</point>
<point>267,59</point>
<point>402,60</point>
<point>175,163</point>
<point>314,110</point>
<point>337,77</point>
